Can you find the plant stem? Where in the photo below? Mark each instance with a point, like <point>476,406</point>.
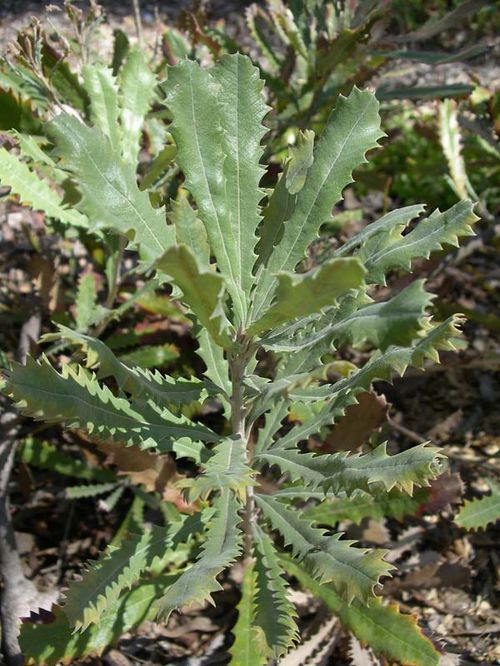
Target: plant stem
<point>237,367</point>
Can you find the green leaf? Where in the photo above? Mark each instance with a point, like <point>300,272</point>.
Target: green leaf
<point>220,549</point>
<point>75,399</point>
<point>298,295</point>
<point>118,569</point>
<point>91,490</point>
<point>226,468</point>
<point>247,649</point>
<point>479,513</point>
<point>192,101</point>
<point>47,456</point>
<point>120,205</point>
<point>391,222</point>
<point>387,251</point>
<point>354,571</point>
<point>151,356</point>
<point>352,129</point>
<point>52,642</point>
<point>275,614</point>
<point>343,472</point>
<point>397,321</point>
<point>241,111</point>
<point>35,192</point>
<point>86,302</point>
<point>300,160</point>
<point>385,629</point>
<point>217,367</point>
<point>137,381</point>
<point>137,83</point>
<point>203,291</point>
<point>392,504</point>
<point>102,90</point>
<point>190,230</point>
<point>282,202</point>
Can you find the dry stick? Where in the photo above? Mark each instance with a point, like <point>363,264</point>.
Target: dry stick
<point>17,591</point>
<point>138,21</point>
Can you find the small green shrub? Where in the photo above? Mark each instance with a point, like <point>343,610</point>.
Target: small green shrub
<point>267,333</point>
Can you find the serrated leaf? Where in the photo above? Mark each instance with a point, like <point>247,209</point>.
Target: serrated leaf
<point>275,614</point>
<point>54,642</point>
<point>479,513</point>
<point>120,205</point>
<point>102,90</point>
<point>90,490</point>
<point>352,129</point>
<point>226,468</point>
<point>217,367</point>
<point>247,649</point>
<point>86,301</point>
<point>342,472</point>
<point>220,549</point>
<point>218,148</point>
<point>282,202</point>
<point>393,504</point>
<point>75,399</point>
<point>44,455</point>
<point>137,381</point>
<point>391,222</point>
<point>189,230</point>
<point>299,295</point>
<point>241,111</point>
<point>118,569</point>
<point>35,192</point>
<point>354,571</point>
<point>202,289</point>
<point>386,251</point>
<point>137,83</point>
<point>388,632</point>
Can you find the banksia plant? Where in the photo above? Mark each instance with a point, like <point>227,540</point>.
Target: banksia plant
<point>268,334</point>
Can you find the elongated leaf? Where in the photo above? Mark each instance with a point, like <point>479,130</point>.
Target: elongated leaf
<point>76,399</point>
<point>385,629</point>
<point>118,569</point>
<point>203,291</point>
<point>54,642</point>
<point>137,381</point>
<point>120,205</point>
<point>47,456</point>
<point>137,82</point>
<point>354,571</point>
<point>394,322</point>
<point>247,649</point>
<point>241,111</point>
<point>282,201</point>
<point>393,504</point>
<point>86,302</point>
<point>343,472</point>
<point>226,468</point>
<point>192,99</point>
<point>304,294</point>
<point>35,192</point>
<point>479,513</point>
<point>394,220</point>
<point>352,129</point>
<point>91,490</point>
<point>275,614</point>
<point>102,89</point>
<point>221,547</point>
<point>189,230</point>
<point>387,251</point>
<point>217,368</point>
